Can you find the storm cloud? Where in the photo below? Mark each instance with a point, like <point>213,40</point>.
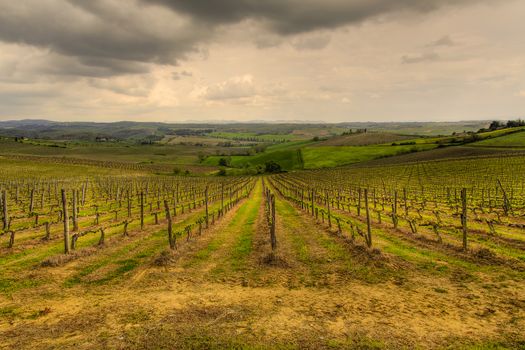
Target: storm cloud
<point>105,37</point>
<point>111,37</point>
<point>298,16</point>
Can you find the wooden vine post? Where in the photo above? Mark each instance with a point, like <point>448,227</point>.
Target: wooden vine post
<point>5,211</point>
<point>176,201</point>
<point>328,210</point>
<point>129,203</point>
<point>142,210</point>
<point>313,195</point>
<point>368,228</point>
<point>102,237</point>
<point>506,202</point>
<point>65,217</point>
<point>222,198</point>
<point>126,223</point>
<point>11,239</point>
<point>171,238</point>
<point>75,218</point>
<point>206,200</point>
<point>48,231</point>
<point>395,219</point>
<point>273,238</point>
<point>359,203</point>
<point>32,200</point>
<point>464,217</point>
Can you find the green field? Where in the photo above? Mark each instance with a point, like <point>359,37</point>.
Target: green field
<point>303,155</point>
<point>332,156</point>
<point>513,140</point>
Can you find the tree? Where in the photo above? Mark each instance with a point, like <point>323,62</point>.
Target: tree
<point>495,125</point>
<point>515,123</point>
<point>223,162</point>
<point>272,167</point>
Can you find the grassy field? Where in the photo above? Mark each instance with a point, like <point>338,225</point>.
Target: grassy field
<point>365,139</point>
<point>512,140</point>
<point>286,154</point>
<point>332,156</point>
<point>308,155</point>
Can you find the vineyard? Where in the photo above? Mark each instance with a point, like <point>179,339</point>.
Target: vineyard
<point>426,254</point>
<point>441,201</point>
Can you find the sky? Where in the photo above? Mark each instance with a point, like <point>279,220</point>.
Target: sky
<point>268,60</point>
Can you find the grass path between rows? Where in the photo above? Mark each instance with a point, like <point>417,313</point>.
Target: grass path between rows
<point>226,255</point>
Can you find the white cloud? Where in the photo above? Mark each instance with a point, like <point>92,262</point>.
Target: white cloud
<point>234,88</point>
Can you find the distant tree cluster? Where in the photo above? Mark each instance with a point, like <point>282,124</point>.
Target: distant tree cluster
<point>187,132</point>
<point>149,140</point>
<point>272,167</point>
<point>224,161</point>
<point>497,125</point>
<point>357,131</point>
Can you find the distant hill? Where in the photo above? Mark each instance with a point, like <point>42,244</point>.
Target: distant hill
<point>125,130</point>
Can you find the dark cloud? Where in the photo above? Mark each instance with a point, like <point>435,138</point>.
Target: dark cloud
<point>101,67</point>
<point>298,16</point>
<point>114,37</point>
<point>104,39</point>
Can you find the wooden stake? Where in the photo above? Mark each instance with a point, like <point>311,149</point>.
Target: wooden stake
<point>65,217</point>
<point>171,238</point>
<point>464,217</point>
<point>368,228</point>
<point>75,220</point>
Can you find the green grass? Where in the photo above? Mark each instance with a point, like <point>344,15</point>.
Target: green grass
<point>245,225</point>
<point>203,254</point>
<point>513,140</point>
<point>332,156</point>
<point>285,154</point>
<point>334,251</point>
<point>10,285</point>
<point>139,252</point>
<point>125,266</point>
